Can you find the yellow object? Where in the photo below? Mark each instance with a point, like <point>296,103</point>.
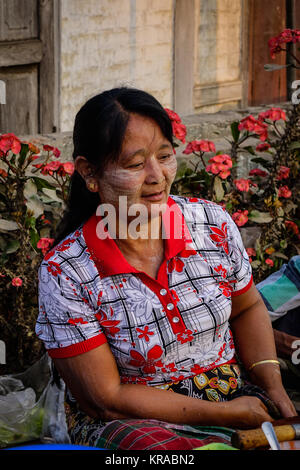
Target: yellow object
<point>266,361</point>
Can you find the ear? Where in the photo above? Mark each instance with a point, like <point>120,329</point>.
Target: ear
<point>83,167</point>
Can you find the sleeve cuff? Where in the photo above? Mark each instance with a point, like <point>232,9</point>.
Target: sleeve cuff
<point>77,348</point>
<point>244,289</point>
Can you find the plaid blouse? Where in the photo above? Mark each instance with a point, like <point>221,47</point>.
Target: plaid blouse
<point>159,330</point>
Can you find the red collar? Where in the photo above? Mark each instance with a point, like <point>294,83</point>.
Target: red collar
<point>107,255</point>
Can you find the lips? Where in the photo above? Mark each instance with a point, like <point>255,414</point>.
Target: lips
<point>154,196</point>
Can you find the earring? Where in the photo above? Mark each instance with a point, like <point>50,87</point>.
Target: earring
<point>91,186</point>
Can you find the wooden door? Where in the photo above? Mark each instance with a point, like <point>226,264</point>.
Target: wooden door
<point>27,66</point>
<point>266,19</point>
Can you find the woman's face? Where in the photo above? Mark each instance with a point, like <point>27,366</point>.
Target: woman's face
<point>145,170</point>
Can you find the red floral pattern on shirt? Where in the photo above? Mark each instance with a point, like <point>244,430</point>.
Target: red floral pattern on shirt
<point>145,333</point>
<point>149,363</point>
<point>109,325</point>
<point>185,336</point>
<point>176,263</point>
<point>54,268</point>
<point>219,236</point>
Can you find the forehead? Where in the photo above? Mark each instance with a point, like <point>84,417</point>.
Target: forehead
<point>143,132</point>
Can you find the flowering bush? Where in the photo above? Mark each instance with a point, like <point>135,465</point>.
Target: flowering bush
<point>33,192</point>
<point>266,200</point>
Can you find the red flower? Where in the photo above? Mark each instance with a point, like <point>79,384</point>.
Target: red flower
<point>258,171</point>
<point>284,191</point>
<point>200,146</point>
<point>240,217</point>
<point>261,129</point>
<point>220,165</point>
<point>251,124</point>
<point>10,142</point>
<point>185,336</point>
<point>251,251</point>
<point>17,282</point>
<point>284,173</point>
<point>68,167</point>
<point>3,173</point>
<point>290,225</point>
<point>179,129</point>
<point>263,147</point>
<point>248,123</point>
<point>220,236</point>
<point>44,244</point>
<point>273,114</point>
<point>149,363</point>
<point>48,148</point>
<point>56,152</point>
<point>287,35</point>
<point>145,333</point>
<point>269,262</point>
<point>242,184</point>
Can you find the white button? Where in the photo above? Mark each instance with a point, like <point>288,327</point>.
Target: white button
<point>163,292</point>
<point>175,320</point>
<point>170,306</point>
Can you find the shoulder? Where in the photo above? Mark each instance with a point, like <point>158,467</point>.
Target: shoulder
<point>70,256</point>
<point>202,209</point>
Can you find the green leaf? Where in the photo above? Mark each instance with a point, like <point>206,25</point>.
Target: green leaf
<point>260,217</point>
<point>235,130</point>
<point>8,225</point>
<point>250,150</point>
<point>23,153</point>
<point>34,238</point>
<point>262,161</point>
<point>283,244</point>
<point>280,255</point>
<point>42,183</point>
<point>218,189</point>
<point>12,246</point>
<point>294,145</point>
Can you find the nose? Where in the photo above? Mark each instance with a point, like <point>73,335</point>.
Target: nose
<point>154,173</point>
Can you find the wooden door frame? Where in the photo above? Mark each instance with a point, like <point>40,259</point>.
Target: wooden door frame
<point>49,83</point>
<point>45,51</point>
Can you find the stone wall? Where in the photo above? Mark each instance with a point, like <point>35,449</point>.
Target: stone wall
<point>109,43</point>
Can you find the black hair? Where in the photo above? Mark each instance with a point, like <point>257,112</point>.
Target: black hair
<point>98,135</point>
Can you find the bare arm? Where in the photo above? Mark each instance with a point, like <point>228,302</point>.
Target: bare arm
<point>94,381</point>
<point>254,340</point>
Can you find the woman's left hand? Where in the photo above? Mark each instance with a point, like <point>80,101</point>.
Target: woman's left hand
<point>281,399</point>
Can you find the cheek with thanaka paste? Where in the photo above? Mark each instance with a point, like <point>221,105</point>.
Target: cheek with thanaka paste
<point>117,182</point>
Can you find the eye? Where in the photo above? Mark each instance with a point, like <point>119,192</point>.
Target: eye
<point>165,157</point>
<point>136,165</point>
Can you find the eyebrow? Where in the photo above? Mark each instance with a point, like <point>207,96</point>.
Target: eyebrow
<point>143,151</point>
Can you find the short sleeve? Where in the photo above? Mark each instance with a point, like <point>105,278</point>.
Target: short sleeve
<point>241,277</point>
<point>66,322</point>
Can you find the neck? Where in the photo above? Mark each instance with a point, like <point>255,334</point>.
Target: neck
<point>138,237</point>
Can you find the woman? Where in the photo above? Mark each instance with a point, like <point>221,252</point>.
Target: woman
<point>139,318</point>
